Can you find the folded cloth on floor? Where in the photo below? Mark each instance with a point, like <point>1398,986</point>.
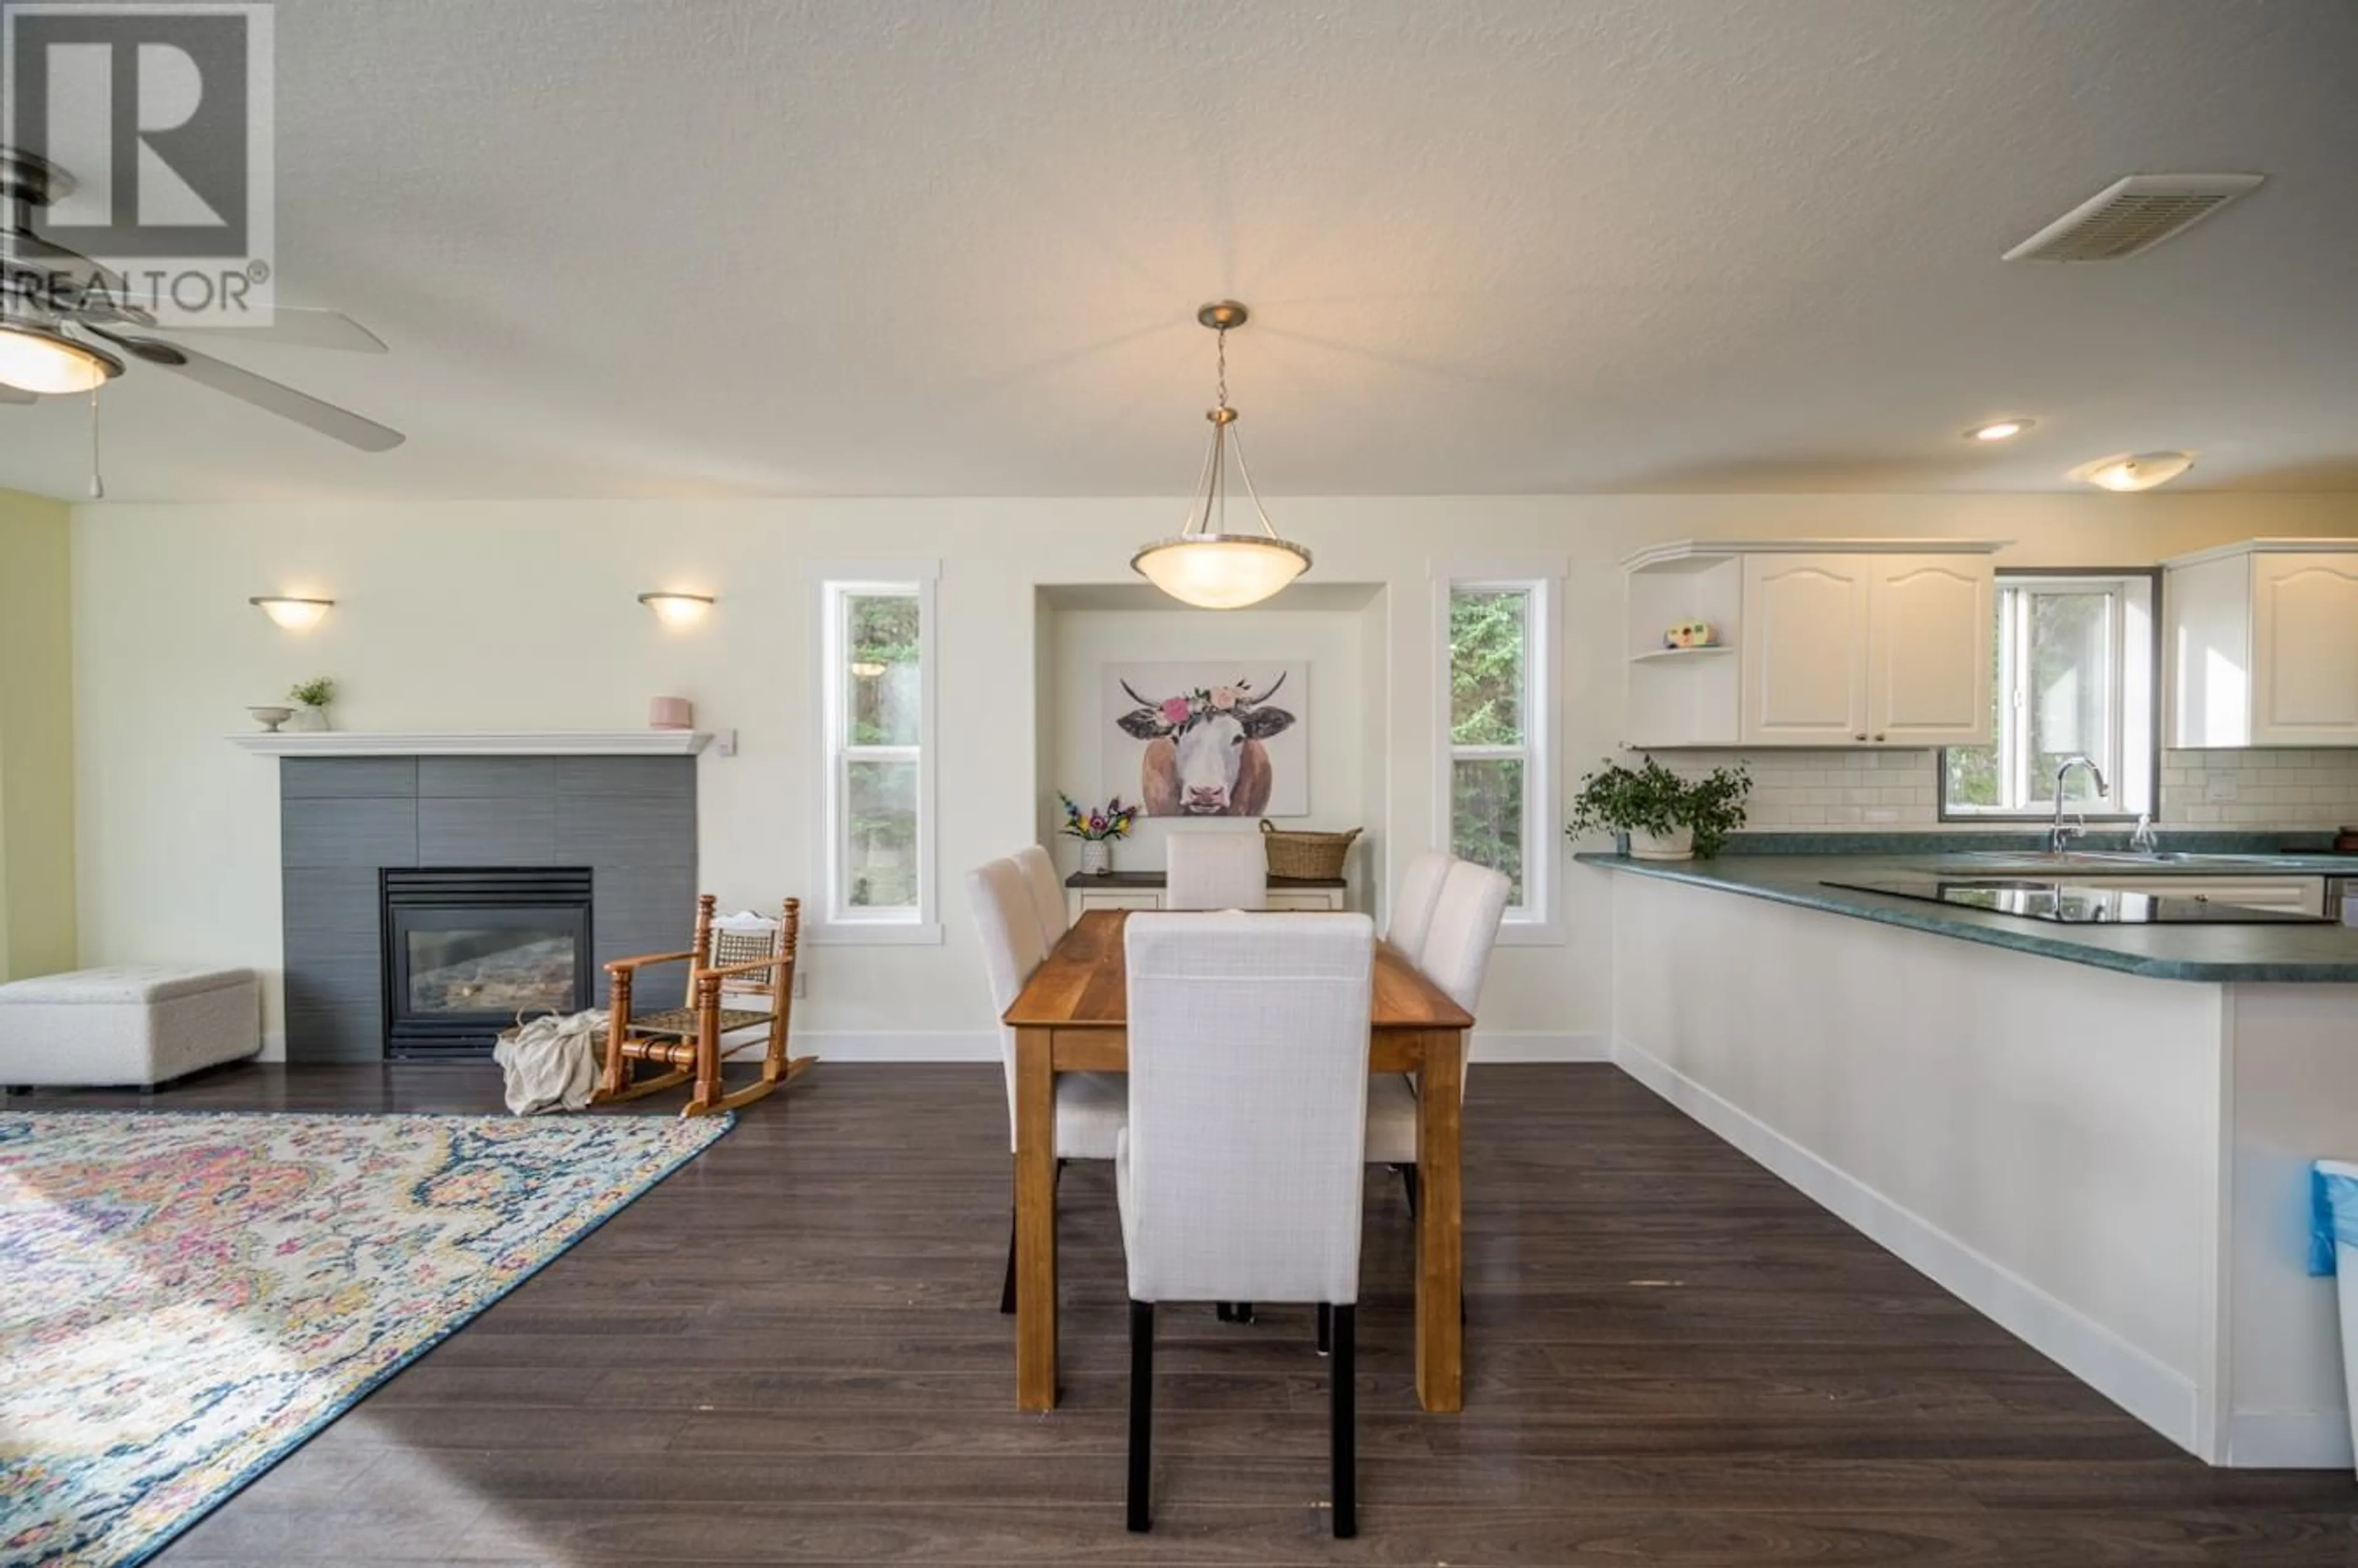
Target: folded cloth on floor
<point>551,1063</point>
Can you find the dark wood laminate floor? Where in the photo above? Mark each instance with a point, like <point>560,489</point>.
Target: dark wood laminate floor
<point>790,1353</point>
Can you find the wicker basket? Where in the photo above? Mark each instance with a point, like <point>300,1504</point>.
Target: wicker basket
<point>1313,855</point>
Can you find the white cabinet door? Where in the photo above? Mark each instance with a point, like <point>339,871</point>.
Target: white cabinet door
<point>1931,631</point>
<point>2303,895</point>
<point>2305,650</point>
<point>1805,650</point>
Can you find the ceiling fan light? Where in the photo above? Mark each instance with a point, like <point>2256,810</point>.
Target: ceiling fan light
<point>1220,571</point>
<point>34,359</point>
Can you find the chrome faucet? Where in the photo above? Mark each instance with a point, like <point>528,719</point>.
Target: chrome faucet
<point>2144,841</point>
<point>2060,838</point>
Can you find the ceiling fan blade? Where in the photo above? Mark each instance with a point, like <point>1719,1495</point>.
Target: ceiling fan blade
<point>303,327</point>
<point>31,253</point>
<point>259,390</point>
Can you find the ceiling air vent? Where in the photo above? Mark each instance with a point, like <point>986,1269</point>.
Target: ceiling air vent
<point>2132,215</point>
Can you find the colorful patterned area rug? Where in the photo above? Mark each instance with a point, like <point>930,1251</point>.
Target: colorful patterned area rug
<point>185,1298</point>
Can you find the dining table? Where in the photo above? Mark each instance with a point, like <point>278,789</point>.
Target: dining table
<point>1072,1017</point>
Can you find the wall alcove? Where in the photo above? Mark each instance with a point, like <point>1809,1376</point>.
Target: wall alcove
<point>1334,635</point>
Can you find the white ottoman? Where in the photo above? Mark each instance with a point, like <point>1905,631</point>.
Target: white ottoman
<point>139,1024</point>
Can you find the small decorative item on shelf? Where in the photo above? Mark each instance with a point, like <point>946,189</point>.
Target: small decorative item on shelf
<point>1689,635</point>
<point>671,713</point>
<point>1664,816</point>
<point>271,718</point>
<point>311,698</point>
<point>1097,827</point>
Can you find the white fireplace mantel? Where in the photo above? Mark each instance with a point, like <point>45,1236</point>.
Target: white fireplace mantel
<point>484,743</point>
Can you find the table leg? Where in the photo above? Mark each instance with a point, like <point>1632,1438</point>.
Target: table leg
<point>1036,1222</point>
<point>1440,1223</point>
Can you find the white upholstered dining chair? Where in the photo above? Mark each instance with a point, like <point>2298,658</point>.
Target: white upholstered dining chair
<point>1240,1171</point>
<point>1420,890</point>
<point>1089,1106</point>
<point>1456,957</point>
<point>1216,870</point>
<point>1047,891</point>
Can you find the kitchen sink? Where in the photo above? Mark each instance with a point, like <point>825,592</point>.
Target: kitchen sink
<point>2108,860</point>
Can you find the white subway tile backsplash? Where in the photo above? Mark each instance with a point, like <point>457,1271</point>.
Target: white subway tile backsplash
<point>1900,789</point>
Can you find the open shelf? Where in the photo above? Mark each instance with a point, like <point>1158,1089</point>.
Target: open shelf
<point>1706,651</point>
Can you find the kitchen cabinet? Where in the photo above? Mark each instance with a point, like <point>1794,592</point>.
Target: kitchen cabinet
<point>1805,658</point>
<point>1931,649</point>
<point>2262,644</point>
<point>1869,649</point>
<point>2303,895</point>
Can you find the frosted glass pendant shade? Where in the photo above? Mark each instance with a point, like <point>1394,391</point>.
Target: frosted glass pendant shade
<point>1221,571</point>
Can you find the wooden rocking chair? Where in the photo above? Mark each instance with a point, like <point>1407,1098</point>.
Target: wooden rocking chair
<point>730,958</point>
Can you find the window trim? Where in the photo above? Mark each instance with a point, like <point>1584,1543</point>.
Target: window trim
<point>1538,920</point>
<point>2155,580</point>
<point>836,925</point>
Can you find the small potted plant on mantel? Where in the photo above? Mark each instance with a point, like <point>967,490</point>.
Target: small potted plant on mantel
<point>1663,816</point>
<point>311,698</point>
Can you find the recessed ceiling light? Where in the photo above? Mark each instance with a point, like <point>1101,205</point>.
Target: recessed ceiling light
<point>2000,430</point>
<point>2134,470</point>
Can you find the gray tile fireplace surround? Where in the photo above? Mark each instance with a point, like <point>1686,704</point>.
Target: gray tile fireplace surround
<point>341,819</point>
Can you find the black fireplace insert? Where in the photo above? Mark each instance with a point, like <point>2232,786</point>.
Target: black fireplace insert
<point>468,949</point>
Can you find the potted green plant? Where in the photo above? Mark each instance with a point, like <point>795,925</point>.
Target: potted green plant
<point>1667,817</point>
<point>311,698</point>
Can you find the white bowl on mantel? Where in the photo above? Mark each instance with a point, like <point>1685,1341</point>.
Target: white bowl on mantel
<point>270,718</point>
<point>1678,844</point>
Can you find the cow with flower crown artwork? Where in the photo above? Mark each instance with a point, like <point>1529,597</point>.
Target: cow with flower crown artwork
<point>1208,742</point>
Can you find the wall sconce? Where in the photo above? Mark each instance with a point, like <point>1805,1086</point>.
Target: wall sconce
<point>678,609</point>
<point>294,614</point>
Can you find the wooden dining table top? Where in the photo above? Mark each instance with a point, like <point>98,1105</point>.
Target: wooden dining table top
<point>1085,984</point>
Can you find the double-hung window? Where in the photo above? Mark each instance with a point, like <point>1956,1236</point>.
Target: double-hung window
<point>1498,709</point>
<point>2074,675</point>
<point>877,700</point>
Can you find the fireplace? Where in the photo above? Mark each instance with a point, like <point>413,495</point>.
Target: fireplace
<point>468,949</point>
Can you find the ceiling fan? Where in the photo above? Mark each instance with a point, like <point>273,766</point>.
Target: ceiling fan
<point>68,325</point>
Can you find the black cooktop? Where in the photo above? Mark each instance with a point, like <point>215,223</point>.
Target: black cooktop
<point>2071,904</point>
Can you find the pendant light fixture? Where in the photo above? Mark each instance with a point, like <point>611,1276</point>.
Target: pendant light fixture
<point>1204,565</point>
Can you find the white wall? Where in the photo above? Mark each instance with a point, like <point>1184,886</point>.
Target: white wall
<point>483,614</point>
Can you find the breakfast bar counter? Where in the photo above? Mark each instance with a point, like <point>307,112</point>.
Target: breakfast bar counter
<point>2287,954</point>
<point>2099,1136</point>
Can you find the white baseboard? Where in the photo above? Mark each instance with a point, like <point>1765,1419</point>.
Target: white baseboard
<point>1507,1046</point>
<point>887,1045</point>
<point>2154,1393</point>
<point>852,1045</point>
<point>2289,1440</point>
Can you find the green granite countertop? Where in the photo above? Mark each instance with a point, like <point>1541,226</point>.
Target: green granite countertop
<point>2276,954</point>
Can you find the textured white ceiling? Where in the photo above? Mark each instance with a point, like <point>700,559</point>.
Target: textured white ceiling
<point>623,248</point>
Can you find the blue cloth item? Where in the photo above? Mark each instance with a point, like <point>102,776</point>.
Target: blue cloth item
<point>2332,1211</point>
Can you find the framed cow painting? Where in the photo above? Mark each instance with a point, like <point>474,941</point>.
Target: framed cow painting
<point>1204,739</point>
